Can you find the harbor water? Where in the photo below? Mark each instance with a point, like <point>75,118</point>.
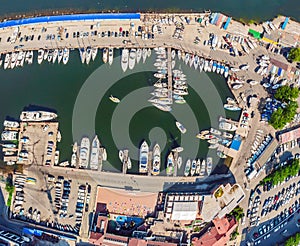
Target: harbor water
<point>57,86</point>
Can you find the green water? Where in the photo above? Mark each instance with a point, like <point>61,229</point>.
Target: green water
<point>57,86</point>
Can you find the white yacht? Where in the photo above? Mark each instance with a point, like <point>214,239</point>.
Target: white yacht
<point>60,55</point>
<point>82,54</point>
<point>7,61</point>
<point>132,58</point>
<point>84,153</point>
<point>144,151</point>
<point>138,55</point>
<point>11,124</point>
<point>66,55</point>
<point>105,55</point>
<point>94,53</point>
<point>41,53</point>
<point>110,55</point>
<point>55,55</point>
<point>156,160</point>
<point>88,55</point>
<point>37,116</point>
<point>124,60</point>
<point>94,160</point>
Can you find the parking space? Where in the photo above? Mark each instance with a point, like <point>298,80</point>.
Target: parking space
<point>62,203</point>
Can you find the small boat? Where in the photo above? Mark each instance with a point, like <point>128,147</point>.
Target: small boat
<point>202,170</point>
<point>187,168</point>
<point>40,56</point>
<point>73,160</point>
<point>58,137</point>
<point>226,71</point>
<point>124,60</point>
<point>105,55</point>
<point>165,108</point>
<point>245,67</point>
<point>114,99</point>
<point>129,164</point>
<point>179,162</point>
<point>149,52</point>
<point>7,61</point>
<point>82,54</point>
<point>66,56</point>
<point>208,165</point>
<point>253,82</point>
<point>161,101</point>
<point>46,54</point>
<point>138,55</point>
<point>213,140</point>
<point>104,154</point>
<point>180,127</point>
<point>227,135</point>
<point>173,54</point>
<point>132,58</point>
<point>187,58</point>
<point>56,157</point>
<point>193,168</point>
<point>60,55</point>
<point>213,146</point>
<point>156,160</point>
<point>180,101</point>
<point>231,107</point>
<point>110,55</point>
<point>170,164</point>
<point>9,146</point>
<point>55,55</point>
<point>215,131</point>
<point>94,159</point>
<point>230,100</point>
<point>144,55</point>
<point>11,124</point>
<point>178,149</point>
<point>144,151</point>
<point>196,62</point>
<point>227,126</point>
<point>180,92</point>
<point>198,166</point>
<point>191,61</point>
<point>179,54</point>
<point>94,53</point>
<point>121,155</point>
<point>84,152</point>
<point>75,147</point>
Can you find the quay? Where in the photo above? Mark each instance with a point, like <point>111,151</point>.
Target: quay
<point>170,80</point>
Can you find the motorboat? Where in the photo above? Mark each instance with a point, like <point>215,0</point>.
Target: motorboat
<point>75,147</point>
<point>66,54</point>
<point>180,127</point>
<point>105,55</point>
<point>40,56</point>
<point>193,168</point>
<point>170,164</point>
<point>60,55</point>
<point>178,149</point>
<point>121,155</point>
<point>208,165</point>
<point>37,116</point>
<point>156,160</point>
<point>114,99</point>
<point>187,168</point>
<point>165,108</point>
<point>227,135</point>
<point>138,55</point>
<point>144,54</point>
<point>231,107</point>
<point>82,54</point>
<point>203,169</point>
<point>144,158</point>
<point>132,58</point>
<point>179,162</point>
<point>124,60</point>
<point>94,53</point>
<point>227,126</point>
<point>88,55</point>
<point>110,56</point>
<point>55,55</point>
<point>198,166</point>
<point>94,159</point>
<point>215,131</point>
<point>11,124</point>
<point>84,153</point>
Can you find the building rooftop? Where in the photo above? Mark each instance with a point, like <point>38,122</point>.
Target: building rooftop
<point>185,211</point>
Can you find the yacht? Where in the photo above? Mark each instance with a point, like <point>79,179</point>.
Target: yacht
<point>94,53</point>
<point>105,55</point>
<point>82,54</point>
<point>227,135</point>
<point>202,170</point>
<point>180,127</point>
<point>55,55</point>
<point>50,55</point>
<point>180,92</point>
<point>165,108</point>
<point>94,160</point>
<point>231,107</point>
<point>161,101</point>
<point>75,147</point>
<point>41,53</point>
<point>215,131</point>
<point>73,160</point>
<point>144,54</point>
<point>208,165</point>
<point>121,155</point>
<point>60,55</point>
<point>138,55</point>
<point>7,60</point>
<point>9,146</point>
<point>227,126</point>
<point>179,54</point>
<point>156,160</point>
<point>187,168</point>
<point>11,124</point>
<point>149,52</point>
<point>84,153</point>
<point>170,164</point>
<point>179,162</point>
<point>198,167</point>
<point>132,58</point>
<point>129,164</point>
<point>88,55</point>
<point>66,54</point>
<point>110,55</point>
<point>114,99</point>
<point>46,52</point>
<point>124,61</point>
<point>193,168</point>
<point>144,151</point>
<point>178,149</point>
<point>14,57</point>
<point>37,116</point>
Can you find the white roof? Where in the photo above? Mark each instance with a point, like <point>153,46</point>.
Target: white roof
<point>185,210</point>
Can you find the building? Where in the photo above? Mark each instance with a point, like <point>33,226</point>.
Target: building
<point>223,201</point>
<point>217,235</point>
<point>288,136</point>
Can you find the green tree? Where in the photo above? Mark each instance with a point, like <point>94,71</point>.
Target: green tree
<point>294,54</point>
<point>237,212</point>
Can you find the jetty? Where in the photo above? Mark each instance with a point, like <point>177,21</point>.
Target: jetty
<point>170,77</point>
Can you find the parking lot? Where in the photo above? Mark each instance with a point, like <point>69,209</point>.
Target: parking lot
<point>53,201</point>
